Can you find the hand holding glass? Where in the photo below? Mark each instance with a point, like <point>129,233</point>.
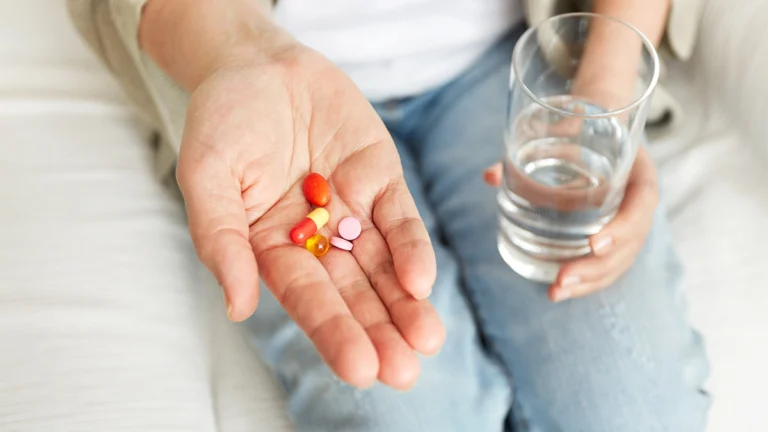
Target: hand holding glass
<point>580,91</point>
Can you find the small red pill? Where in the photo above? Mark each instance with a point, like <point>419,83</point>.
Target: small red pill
<point>316,189</point>
<point>303,230</point>
<point>309,226</point>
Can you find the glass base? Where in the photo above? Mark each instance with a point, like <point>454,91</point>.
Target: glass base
<point>528,266</point>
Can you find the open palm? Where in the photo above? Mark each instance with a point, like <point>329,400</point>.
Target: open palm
<point>252,134</point>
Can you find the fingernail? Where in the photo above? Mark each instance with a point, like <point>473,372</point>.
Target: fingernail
<point>562,293</point>
<point>229,311</point>
<point>602,245</point>
<point>570,281</point>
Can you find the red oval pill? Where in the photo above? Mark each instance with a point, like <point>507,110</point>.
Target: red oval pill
<point>316,189</point>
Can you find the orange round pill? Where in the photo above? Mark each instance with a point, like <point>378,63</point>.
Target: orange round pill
<point>318,244</point>
<point>316,189</point>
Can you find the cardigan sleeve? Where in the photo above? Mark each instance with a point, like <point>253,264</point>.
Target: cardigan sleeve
<point>110,28</point>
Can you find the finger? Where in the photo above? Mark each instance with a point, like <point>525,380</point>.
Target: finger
<point>397,218</point>
<point>493,175</point>
<point>219,231</point>
<point>617,245</point>
<point>580,290</point>
<point>589,274</point>
<point>635,217</point>
<point>303,287</point>
<point>398,364</point>
<point>416,319</point>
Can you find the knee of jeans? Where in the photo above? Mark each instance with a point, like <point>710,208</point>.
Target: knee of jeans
<point>613,396</point>
<point>624,360</point>
<point>618,414</point>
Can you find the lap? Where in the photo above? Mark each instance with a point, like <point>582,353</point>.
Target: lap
<point>107,320</point>
<point>459,389</point>
<point>622,359</point>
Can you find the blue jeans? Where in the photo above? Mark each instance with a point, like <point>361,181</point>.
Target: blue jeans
<point>620,360</point>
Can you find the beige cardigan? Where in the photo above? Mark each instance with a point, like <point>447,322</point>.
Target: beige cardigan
<point>110,27</point>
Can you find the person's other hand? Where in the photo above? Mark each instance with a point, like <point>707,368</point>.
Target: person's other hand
<point>615,247</point>
<point>253,132</point>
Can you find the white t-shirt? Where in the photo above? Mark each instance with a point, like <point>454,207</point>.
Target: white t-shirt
<point>399,48</point>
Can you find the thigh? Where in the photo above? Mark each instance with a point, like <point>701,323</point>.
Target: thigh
<point>105,318</point>
<point>459,389</point>
<point>622,359</point>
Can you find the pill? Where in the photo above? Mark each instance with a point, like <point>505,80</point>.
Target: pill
<point>341,243</point>
<point>318,245</point>
<point>316,189</point>
<point>349,228</point>
<point>309,226</point>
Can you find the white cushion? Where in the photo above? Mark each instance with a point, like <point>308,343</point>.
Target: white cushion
<point>107,319</point>
<point>716,182</point>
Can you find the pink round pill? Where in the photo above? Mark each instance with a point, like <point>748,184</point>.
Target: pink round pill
<point>349,228</point>
<point>341,243</point>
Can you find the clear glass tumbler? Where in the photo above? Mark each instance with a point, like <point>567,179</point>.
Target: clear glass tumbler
<point>580,90</point>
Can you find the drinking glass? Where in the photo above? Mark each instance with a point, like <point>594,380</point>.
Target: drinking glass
<point>580,90</point>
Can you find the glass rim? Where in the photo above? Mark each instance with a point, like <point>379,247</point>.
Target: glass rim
<point>517,52</point>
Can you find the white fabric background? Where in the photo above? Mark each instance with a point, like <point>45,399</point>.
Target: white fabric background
<point>715,173</point>
<point>107,322</point>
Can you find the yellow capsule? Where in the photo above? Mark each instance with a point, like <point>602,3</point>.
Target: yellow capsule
<point>319,216</point>
<point>318,244</point>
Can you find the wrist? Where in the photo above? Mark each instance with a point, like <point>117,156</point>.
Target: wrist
<point>266,51</point>
<point>191,43</point>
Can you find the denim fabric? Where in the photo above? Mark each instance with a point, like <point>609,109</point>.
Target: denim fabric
<point>621,360</point>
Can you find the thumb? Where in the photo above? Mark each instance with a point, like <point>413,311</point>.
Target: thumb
<point>219,230</point>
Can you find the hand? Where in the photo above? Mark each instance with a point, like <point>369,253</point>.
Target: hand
<point>254,130</point>
<point>615,247</point>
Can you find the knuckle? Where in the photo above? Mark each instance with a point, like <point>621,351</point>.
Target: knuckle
<point>612,276</point>
<point>586,289</point>
<point>207,245</point>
